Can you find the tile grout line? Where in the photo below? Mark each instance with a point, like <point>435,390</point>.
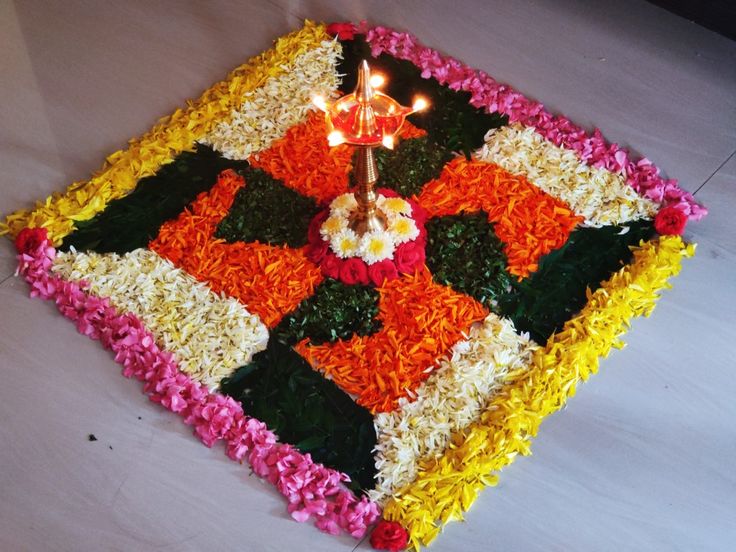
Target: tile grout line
<point>8,277</point>
<point>361,541</point>
<point>715,172</point>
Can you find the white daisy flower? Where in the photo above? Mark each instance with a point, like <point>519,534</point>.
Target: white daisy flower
<point>403,229</point>
<point>394,205</point>
<point>333,226</point>
<point>345,244</point>
<point>376,246</point>
<point>343,204</point>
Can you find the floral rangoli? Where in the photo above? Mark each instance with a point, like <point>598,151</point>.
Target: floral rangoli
<point>380,382</point>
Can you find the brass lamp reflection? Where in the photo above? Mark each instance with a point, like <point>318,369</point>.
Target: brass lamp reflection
<point>366,119</point>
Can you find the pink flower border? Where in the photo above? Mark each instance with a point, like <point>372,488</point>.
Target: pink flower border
<point>642,175</point>
<point>311,489</point>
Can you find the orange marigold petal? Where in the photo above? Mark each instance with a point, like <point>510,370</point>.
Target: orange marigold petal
<point>303,160</point>
<point>530,222</point>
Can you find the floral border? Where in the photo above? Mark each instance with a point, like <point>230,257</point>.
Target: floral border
<point>212,335</point>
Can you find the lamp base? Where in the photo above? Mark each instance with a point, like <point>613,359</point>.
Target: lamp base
<point>372,220</point>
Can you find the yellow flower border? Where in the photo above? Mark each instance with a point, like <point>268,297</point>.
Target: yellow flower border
<point>173,134</point>
<point>446,487</point>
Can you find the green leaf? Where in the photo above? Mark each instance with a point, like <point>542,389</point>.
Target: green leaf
<point>335,311</point>
<point>310,443</point>
<point>464,252</point>
<point>542,303</point>
<point>267,211</point>
<point>303,408</point>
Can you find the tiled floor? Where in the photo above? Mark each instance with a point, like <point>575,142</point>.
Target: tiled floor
<point>642,457</point>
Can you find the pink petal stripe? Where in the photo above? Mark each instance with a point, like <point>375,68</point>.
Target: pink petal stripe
<point>311,489</point>
<point>642,175</point>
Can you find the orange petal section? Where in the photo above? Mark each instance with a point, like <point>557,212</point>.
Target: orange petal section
<point>305,163</point>
<point>421,319</point>
<point>530,222</point>
<point>269,281</point>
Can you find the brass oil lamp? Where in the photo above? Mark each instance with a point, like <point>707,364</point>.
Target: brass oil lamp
<point>366,119</point>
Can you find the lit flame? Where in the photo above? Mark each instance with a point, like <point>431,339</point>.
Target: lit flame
<point>335,138</point>
<point>419,104</point>
<point>320,103</point>
<point>377,80</point>
<point>388,141</point>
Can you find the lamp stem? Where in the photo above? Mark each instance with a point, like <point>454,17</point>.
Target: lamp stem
<point>367,217</point>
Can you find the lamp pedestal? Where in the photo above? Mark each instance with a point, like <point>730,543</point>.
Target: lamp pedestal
<point>367,217</point>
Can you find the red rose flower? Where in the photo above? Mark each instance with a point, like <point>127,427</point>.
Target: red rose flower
<point>418,213</point>
<point>387,192</point>
<point>313,234</point>
<point>382,270</point>
<point>30,238</point>
<point>343,31</point>
<point>670,220</point>
<point>331,265</point>
<point>389,535</point>
<point>317,251</point>
<point>354,271</point>
<point>408,256</point>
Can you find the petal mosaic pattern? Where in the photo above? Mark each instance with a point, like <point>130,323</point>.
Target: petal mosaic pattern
<point>172,135</point>
<point>600,196</point>
<point>210,335</point>
<point>530,222</point>
<point>421,321</point>
<point>283,101</point>
<point>542,229</point>
<point>269,280</point>
<point>453,396</point>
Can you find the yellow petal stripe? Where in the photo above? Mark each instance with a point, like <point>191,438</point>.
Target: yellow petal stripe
<point>446,487</point>
<point>172,135</point>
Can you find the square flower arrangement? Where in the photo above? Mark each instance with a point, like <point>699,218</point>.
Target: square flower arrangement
<point>377,383</point>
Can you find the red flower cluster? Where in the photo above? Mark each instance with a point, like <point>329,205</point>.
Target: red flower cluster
<point>30,238</point>
<point>408,256</point>
<point>389,535</point>
<point>670,221</point>
<point>343,31</point>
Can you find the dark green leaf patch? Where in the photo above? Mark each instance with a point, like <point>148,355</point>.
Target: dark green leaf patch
<point>542,303</point>
<point>464,253</point>
<point>303,408</point>
<point>265,210</point>
<point>335,311</point>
